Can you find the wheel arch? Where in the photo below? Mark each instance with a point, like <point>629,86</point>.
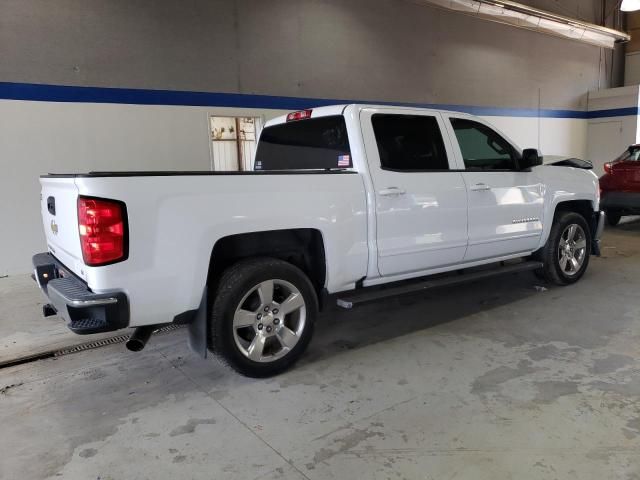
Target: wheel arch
<point>302,247</point>
<point>583,207</point>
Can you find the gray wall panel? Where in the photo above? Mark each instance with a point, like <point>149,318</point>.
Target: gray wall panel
<point>391,50</point>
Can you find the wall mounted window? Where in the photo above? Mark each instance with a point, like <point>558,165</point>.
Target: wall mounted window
<point>233,142</point>
<point>482,148</point>
<point>409,142</point>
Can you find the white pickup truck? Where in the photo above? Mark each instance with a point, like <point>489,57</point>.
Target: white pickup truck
<point>343,200</point>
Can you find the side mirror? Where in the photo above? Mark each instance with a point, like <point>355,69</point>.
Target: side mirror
<point>530,158</point>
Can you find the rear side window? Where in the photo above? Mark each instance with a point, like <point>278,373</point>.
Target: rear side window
<point>409,142</point>
<point>482,148</point>
<point>316,143</point>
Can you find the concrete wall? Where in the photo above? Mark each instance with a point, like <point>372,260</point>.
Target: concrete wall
<point>390,50</point>
<point>386,50</point>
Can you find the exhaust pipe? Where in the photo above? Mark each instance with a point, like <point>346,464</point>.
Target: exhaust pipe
<point>140,337</point>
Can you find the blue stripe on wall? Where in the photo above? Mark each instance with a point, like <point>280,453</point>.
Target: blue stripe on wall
<point>613,112</point>
<point>63,93</point>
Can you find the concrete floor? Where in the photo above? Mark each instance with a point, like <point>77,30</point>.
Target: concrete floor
<point>493,380</point>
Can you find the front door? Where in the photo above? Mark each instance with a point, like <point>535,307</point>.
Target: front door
<point>420,201</point>
<point>505,203</point>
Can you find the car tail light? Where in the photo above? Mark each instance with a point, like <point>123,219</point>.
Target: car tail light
<point>103,230</point>
<point>607,167</point>
<point>301,115</point>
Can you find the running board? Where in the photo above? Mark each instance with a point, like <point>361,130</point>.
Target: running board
<point>359,297</point>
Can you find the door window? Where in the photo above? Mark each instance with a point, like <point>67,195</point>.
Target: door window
<point>409,142</point>
<point>482,148</point>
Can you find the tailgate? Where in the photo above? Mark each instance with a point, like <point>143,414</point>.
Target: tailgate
<point>59,196</point>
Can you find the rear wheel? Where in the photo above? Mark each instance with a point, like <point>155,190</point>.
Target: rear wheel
<point>263,316</point>
<point>566,253</point>
<point>613,218</point>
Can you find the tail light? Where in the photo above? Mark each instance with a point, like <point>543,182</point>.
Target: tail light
<point>103,230</point>
<point>607,167</point>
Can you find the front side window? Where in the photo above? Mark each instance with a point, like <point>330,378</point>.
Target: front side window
<point>409,142</point>
<point>312,144</point>
<point>482,148</point>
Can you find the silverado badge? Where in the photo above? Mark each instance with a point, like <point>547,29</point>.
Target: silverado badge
<point>54,227</point>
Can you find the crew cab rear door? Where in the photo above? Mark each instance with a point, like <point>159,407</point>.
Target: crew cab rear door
<point>506,204</point>
<point>420,200</point>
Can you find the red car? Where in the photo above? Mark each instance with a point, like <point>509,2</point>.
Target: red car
<point>620,186</point>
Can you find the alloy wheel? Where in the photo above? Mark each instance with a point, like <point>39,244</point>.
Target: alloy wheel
<point>269,320</point>
<point>572,249</point>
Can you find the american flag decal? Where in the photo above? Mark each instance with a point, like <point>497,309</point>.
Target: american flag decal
<point>344,160</point>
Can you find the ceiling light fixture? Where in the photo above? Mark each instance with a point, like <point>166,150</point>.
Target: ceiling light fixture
<point>523,16</point>
<point>630,5</point>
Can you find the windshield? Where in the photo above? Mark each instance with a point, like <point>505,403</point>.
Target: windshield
<point>313,144</point>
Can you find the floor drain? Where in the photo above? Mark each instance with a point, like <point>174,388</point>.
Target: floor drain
<point>91,345</point>
<point>104,342</point>
<point>109,341</point>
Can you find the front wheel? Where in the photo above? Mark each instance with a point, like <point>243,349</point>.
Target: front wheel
<point>566,253</point>
<point>262,316</point>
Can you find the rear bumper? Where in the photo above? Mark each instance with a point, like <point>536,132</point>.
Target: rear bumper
<point>621,201</point>
<point>85,312</point>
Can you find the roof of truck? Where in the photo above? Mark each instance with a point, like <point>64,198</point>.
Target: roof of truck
<point>331,110</point>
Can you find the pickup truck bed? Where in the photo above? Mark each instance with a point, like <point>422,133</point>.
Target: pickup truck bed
<point>174,212</point>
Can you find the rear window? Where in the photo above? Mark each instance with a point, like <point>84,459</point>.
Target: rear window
<point>316,143</point>
<point>632,154</point>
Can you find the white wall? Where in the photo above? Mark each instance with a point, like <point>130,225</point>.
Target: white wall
<point>41,137</point>
<point>395,51</point>
<point>608,137</point>
<point>551,136</point>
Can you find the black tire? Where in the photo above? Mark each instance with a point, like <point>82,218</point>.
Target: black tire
<point>549,254</point>
<point>613,218</point>
<point>236,282</point>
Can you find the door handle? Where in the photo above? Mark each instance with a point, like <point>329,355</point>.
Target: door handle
<point>391,192</point>
<point>480,187</point>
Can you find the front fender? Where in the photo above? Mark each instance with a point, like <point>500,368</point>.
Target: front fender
<point>566,184</point>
